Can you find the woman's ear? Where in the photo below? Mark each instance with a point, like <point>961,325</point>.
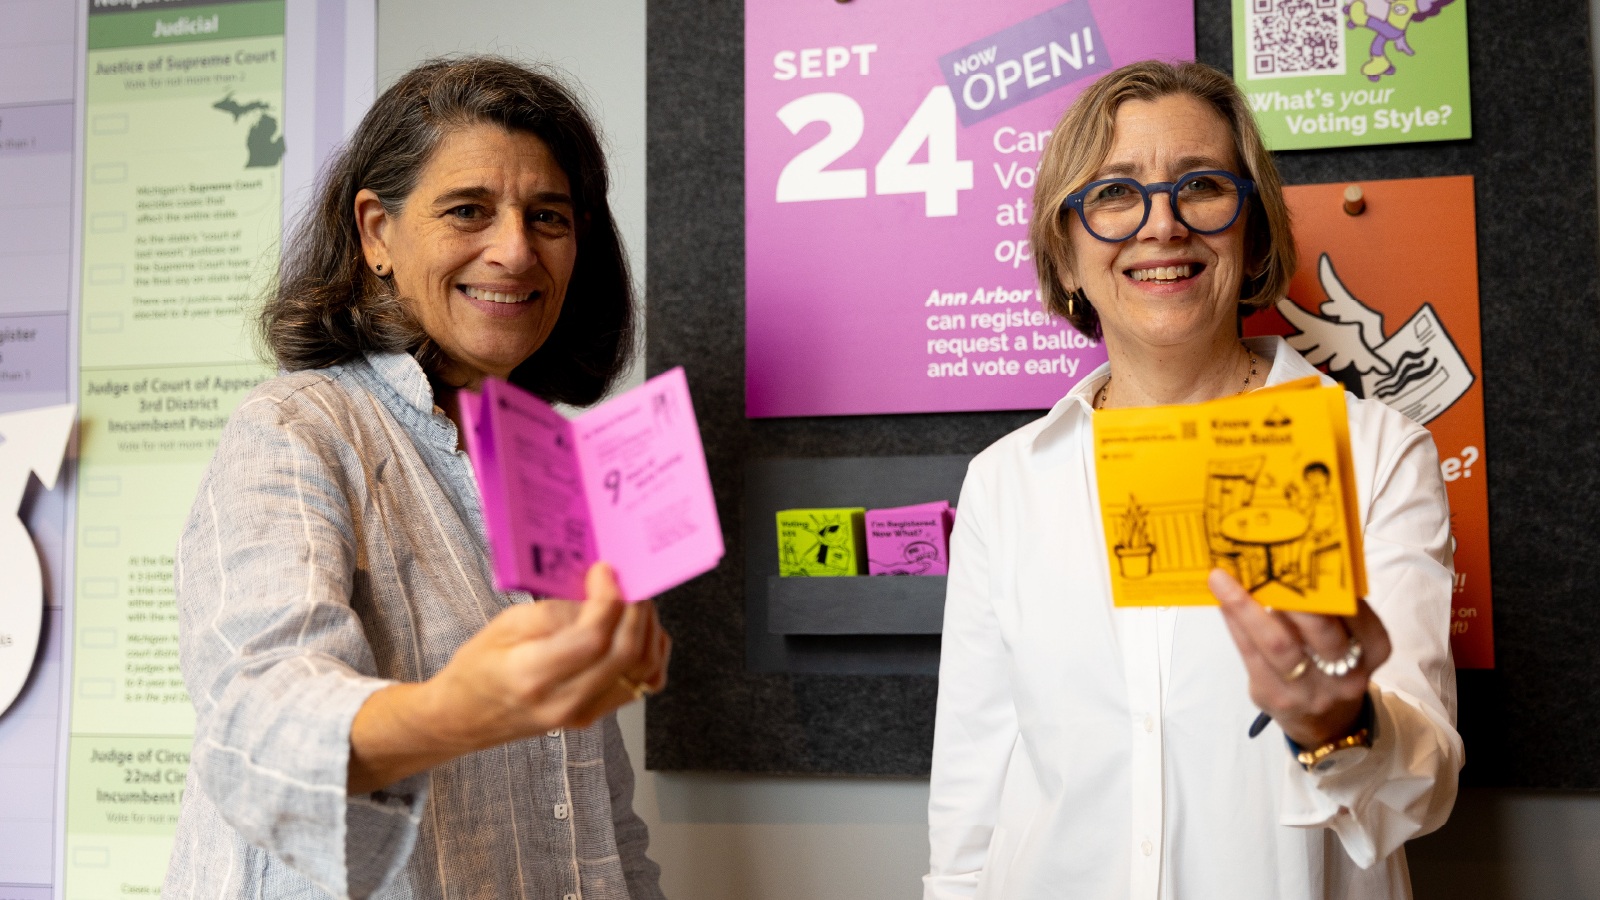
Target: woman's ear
<point>372,222</point>
<point>1065,277</point>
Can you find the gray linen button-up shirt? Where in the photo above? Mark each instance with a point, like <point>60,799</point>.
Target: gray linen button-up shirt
<point>336,546</point>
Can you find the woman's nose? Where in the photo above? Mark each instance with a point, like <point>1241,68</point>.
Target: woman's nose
<point>1163,223</point>
<point>511,246</point>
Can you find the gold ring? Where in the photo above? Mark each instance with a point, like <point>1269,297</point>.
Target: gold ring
<point>1299,669</point>
<point>638,690</point>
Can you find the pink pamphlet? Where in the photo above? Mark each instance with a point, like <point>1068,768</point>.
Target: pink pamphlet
<point>625,482</point>
<point>909,540</point>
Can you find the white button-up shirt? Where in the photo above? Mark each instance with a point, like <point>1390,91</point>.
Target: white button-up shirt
<point>1086,751</point>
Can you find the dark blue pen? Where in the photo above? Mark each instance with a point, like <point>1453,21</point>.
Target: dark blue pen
<point>1260,724</point>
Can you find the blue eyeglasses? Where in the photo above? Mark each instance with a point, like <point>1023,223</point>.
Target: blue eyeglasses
<point>1206,202</point>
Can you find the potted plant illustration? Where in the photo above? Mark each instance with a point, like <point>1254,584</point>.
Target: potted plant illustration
<point>1133,547</point>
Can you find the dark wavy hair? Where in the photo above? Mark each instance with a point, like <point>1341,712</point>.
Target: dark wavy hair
<point>328,307</point>
<point>1079,146</point>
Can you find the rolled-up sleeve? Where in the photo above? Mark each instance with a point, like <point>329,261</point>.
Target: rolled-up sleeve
<point>1406,785</point>
<point>276,659</point>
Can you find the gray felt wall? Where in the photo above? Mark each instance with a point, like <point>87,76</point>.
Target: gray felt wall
<point>1528,723</point>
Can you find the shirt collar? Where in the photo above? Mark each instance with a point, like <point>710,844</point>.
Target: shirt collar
<point>1074,411</point>
<point>409,396</point>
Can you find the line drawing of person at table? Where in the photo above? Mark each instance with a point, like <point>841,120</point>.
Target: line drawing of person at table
<point>1263,542</point>
<point>1314,498</point>
<point>1230,486</point>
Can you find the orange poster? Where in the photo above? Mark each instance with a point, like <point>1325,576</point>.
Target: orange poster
<point>1386,302</point>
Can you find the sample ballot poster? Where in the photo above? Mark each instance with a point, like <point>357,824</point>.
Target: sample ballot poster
<point>183,147</point>
<point>1386,302</point>
<point>1346,73</point>
<point>890,154</point>
<point>147,154</point>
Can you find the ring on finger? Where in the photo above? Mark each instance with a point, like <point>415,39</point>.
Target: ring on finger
<point>1344,665</point>
<point>1299,670</point>
<point>638,690</point>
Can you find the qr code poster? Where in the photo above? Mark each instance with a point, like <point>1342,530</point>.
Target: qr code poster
<point>1345,73</point>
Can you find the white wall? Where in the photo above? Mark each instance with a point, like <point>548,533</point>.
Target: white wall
<point>738,837</point>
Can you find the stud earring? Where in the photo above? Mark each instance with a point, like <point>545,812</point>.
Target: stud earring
<point>378,268</point>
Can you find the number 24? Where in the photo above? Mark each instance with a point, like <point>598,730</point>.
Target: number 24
<point>939,180</point>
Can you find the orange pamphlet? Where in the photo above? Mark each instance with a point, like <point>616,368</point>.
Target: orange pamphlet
<point>1258,484</point>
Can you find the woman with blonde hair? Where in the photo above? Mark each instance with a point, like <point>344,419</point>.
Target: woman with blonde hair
<point>1086,751</point>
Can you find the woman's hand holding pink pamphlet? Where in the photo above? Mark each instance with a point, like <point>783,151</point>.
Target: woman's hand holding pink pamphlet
<point>625,482</point>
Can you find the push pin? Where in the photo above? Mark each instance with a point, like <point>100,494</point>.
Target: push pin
<point>1354,203</point>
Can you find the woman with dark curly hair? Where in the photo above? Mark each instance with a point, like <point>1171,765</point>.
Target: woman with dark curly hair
<point>372,717</point>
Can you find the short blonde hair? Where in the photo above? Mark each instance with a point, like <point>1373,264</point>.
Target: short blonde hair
<point>1079,147</point>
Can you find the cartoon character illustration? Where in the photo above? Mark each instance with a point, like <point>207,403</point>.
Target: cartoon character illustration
<point>916,558</point>
<point>1313,498</point>
<point>1388,21</point>
<point>1231,486</point>
<point>1418,369</point>
<point>661,408</point>
<point>831,545</point>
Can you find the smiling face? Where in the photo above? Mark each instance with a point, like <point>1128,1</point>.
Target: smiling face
<point>1165,287</point>
<point>482,250</point>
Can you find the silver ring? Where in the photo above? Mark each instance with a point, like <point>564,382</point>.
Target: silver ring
<point>1344,665</point>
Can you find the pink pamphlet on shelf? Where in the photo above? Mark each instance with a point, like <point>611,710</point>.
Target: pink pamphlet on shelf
<point>625,482</point>
<point>890,154</point>
<point>910,540</point>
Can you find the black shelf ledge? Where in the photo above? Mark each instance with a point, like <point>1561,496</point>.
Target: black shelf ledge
<point>862,604</point>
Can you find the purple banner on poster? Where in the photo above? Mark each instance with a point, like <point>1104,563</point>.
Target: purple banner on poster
<point>1027,60</point>
<point>887,197</point>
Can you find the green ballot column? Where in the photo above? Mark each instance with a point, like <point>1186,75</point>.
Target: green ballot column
<point>182,194</point>
<point>822,541</point>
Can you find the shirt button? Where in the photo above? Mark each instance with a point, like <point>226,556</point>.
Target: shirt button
<point>561,810</point>
<point>1147,848</point>
<point>569,897</point>
<point>554,732</point>
<point>1149,724</point>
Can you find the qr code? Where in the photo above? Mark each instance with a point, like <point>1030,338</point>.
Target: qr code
<point>1295,37</point>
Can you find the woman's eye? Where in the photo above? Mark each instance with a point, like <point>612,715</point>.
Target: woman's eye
<point>466,212</point>
<point>550,221</point>
<point>1202,184</point>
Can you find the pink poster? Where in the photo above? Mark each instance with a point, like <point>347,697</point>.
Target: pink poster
<point>890,153</point>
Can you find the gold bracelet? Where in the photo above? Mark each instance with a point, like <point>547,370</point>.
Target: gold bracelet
<point>1310,758</point>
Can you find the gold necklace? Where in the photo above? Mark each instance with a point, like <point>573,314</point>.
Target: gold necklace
<point>1100,395</point>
